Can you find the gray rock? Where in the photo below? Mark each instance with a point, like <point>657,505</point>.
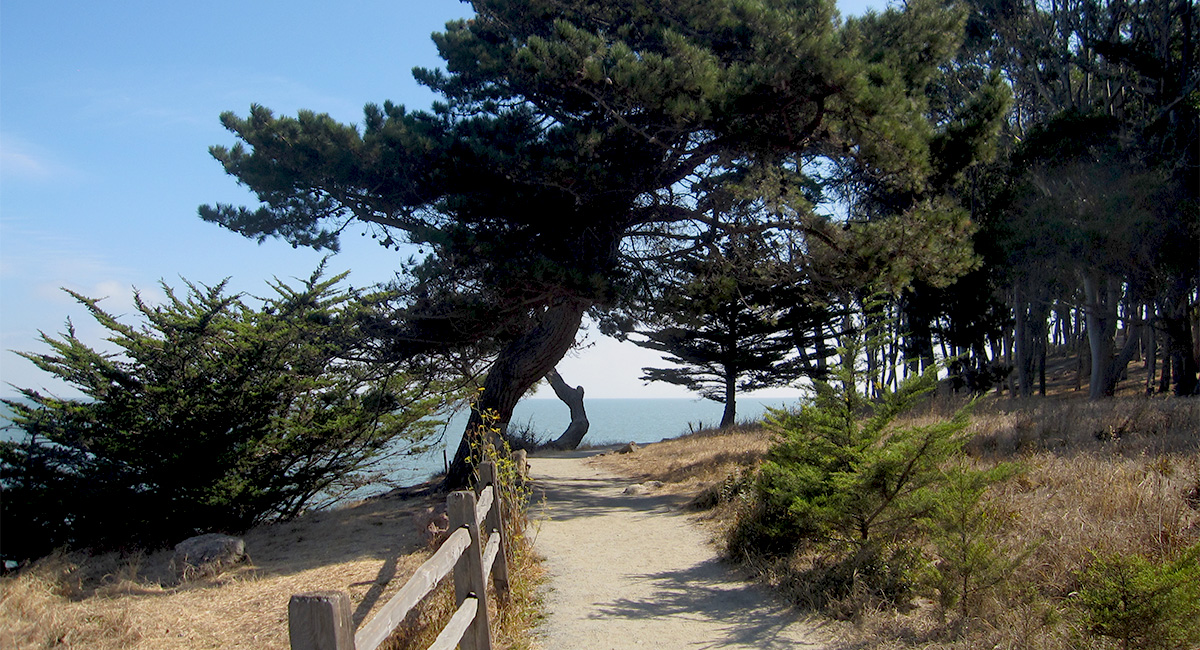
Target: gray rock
<point>629,448</point>
<point>643,488</point>
<point>207,554</point>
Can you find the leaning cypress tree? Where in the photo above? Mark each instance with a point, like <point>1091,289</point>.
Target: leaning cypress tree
<point>558,165</point>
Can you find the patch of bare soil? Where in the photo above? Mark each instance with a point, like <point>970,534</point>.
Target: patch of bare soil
<point>367,549</point>
<point>627,567</point>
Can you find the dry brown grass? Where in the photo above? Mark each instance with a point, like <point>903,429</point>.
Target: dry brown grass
<point>367,549</point>
<point>691,463</point>
<point>1126,426</point>
<point>1118,476</point>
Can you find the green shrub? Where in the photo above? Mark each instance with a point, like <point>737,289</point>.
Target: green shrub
<point>844,472</point>
<point>214,415</point>
<point>1143,604</point>
<point>964,529</point>
<point>846,485</point>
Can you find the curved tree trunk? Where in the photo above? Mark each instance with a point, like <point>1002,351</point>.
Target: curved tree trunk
<point>573,398</point>
<point>518,366</point>
<point>1108,363</point>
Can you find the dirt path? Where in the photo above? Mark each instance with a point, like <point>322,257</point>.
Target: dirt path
<point>630,571</point>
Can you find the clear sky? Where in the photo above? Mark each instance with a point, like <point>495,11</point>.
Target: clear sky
<point>107,110</point>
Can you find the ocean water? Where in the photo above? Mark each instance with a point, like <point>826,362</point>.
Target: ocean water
<point>611,421</point>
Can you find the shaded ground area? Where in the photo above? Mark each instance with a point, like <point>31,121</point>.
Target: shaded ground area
<point>631,571</point>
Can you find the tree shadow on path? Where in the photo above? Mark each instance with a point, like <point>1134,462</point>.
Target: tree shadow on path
<point>709,592</point>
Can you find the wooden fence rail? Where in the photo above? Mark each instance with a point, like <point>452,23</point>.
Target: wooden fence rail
<point>322,621</point>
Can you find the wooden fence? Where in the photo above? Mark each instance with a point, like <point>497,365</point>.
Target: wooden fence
<point>321,620</point>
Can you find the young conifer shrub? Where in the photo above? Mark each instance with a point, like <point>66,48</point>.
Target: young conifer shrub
<point>848,481</point>
<point>1143,604</point>
<point>843,472</point>
<point>964,529</point>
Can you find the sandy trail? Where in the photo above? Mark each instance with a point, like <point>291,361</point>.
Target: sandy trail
<point>630,571</point>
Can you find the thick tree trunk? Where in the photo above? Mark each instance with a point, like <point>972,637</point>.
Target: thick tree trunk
<point>1179,345</point>
<point>1118,365</point>
<point>1011,379</point>
<point>573,398</point>
<point>1108,364</point>
<point>730,415</point>
<point>1021,341</point>
<point>1100,311</point>
<point>1039,331</point>
<point>518,366</point>
<point>1151,348</point>
<point>1164,381</point>
<point>1082,351</point>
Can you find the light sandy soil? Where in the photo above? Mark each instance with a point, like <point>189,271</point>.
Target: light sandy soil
<point>633,571</point>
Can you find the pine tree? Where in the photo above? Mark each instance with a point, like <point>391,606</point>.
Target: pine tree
<point>726,325</point>
<point>844,473</point>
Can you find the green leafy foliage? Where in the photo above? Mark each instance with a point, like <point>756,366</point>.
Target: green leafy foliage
<point>1144,604</point>
<point>214,415</point>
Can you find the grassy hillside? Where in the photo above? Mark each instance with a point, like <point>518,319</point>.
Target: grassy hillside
<point>1113,479</point>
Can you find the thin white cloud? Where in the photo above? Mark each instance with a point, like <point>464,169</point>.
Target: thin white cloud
<point>39,263</point>
<point>197,100</point>
<point>26,161</point>
<point>35,264</point>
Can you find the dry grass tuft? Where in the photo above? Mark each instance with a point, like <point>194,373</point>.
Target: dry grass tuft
<point>368,549</point>
<point>1127,426</point>
<point>691,463</point>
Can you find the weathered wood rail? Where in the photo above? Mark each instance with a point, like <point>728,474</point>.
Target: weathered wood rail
<point>322,621</point>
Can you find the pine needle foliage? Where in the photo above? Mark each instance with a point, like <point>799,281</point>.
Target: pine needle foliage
<point>843,473</point>
<point>214,414</point>
<point>1141,603</point>
<point>964,528</point>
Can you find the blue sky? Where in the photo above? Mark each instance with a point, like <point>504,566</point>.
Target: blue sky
<point>107,110</point>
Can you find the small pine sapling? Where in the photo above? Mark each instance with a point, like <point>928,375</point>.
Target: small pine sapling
<point>846,472</point>
<point>963,528</point>
<point>1143,604</point>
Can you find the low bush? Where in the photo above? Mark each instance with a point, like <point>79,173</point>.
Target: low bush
<point>845,479</point>
<point>214,415</point>
<point>1143,604</point>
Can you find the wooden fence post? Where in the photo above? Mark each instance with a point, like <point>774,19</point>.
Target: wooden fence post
<point>469,579</point>
<point>494,525</point>
<point>320,620</point>
<point>521,458</point>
